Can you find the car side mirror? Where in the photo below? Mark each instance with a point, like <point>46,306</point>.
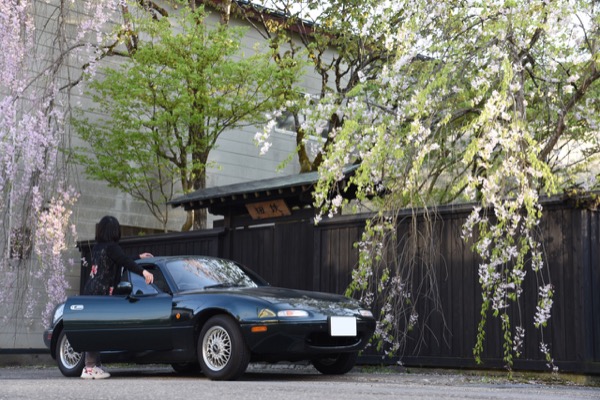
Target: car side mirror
<point>123,289</point>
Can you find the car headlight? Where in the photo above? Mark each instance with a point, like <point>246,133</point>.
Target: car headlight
<point>365,313</point>
<point>292,313</point>
<point>58,312</point>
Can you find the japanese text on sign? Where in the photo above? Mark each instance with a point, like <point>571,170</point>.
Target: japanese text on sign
<point>268,209</point>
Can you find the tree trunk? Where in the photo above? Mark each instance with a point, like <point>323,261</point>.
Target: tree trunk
<point>225,12</point>
<point>200,217</point>
<point>200,158</point>
<point>189,222</point>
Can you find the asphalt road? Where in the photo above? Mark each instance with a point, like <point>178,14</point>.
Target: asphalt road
<point>281,382</point>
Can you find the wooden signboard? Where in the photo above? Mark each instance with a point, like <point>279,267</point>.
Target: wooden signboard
<point>268,209</point>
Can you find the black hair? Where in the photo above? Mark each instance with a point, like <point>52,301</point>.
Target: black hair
<point>108,230</point>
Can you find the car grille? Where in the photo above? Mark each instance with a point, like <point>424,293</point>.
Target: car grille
<point>321,339</point>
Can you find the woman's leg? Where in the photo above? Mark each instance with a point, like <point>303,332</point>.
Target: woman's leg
<point>93,369</point>
<point>91,359</point>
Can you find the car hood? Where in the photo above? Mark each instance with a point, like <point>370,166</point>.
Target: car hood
<point>326,303</point>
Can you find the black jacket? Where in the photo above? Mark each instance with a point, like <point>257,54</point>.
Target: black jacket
<point>105,268</point>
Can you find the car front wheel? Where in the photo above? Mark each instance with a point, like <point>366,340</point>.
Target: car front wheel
<point>222,351</point>
<point>337,364</point>
<point>70,362</point>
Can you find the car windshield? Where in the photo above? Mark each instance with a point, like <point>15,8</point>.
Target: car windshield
<point>207,273</point>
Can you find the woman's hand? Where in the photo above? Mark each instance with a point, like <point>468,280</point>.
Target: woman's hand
<point>148,276</point>
<point>146,255</point>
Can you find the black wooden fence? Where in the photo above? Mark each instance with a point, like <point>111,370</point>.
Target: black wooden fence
<point>304,256</point>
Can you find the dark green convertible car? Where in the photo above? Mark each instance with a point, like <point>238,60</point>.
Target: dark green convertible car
<point>210,315</point>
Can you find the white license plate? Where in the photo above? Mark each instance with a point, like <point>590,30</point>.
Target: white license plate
<point>342,326</point>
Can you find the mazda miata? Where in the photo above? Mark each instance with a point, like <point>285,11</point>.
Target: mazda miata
<point>210,315</point>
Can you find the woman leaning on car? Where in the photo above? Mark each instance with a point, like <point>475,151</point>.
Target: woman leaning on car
<point>105,273</point>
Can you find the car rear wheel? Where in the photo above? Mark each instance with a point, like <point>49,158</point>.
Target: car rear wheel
<point>70,362</point>
<point>335,364</point>
<point>222,351</point>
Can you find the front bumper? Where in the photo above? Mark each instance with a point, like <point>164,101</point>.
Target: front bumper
<point>302,339</point>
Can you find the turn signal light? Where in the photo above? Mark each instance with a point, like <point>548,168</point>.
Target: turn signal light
<point>259,328</point>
